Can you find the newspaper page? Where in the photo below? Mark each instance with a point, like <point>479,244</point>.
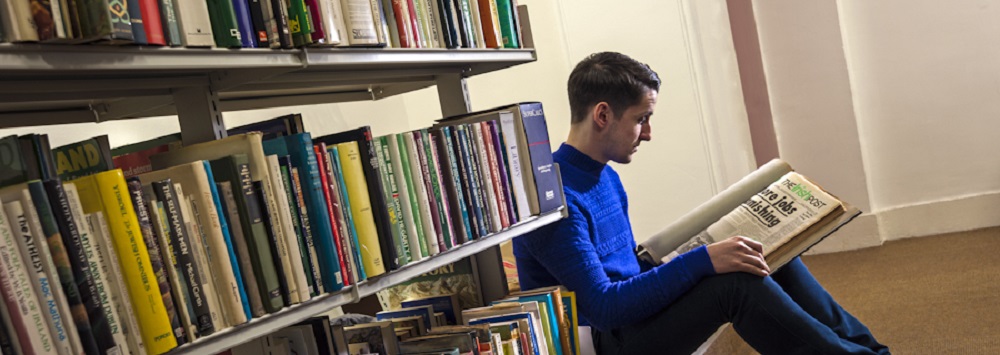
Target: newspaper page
<point>772,216</point>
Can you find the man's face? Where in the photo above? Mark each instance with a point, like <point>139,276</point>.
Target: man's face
<point>625,132</point>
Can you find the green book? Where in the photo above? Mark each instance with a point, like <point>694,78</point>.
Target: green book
<point>83,158</point>
<point>105,20</point>
<point>12,165</point>
<point>404,158</point>
<point>284,162</point>
<point>508,27</point>
<point>235,169</point>
<point>399,235</point>
<point>224,29</point>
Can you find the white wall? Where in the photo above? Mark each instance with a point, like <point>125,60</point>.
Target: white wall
<point>679,169</point>
<point>914,84</point>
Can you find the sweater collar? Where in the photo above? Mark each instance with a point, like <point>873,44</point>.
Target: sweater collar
<point>576,158</point>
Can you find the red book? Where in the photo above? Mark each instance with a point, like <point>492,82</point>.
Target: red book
<point>491,29</point>
<point>324,178</point>
<point>491,158</point>
<point>406,34</point>
<point>317,26</point>
<point>417,36</point>
<point>136,163</point>
<point>150,10</point>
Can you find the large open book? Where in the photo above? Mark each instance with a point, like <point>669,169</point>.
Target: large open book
<point>774,205</point>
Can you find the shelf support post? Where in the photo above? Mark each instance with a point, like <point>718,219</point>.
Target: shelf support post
<point>453,94</point>
<point>199,113</point>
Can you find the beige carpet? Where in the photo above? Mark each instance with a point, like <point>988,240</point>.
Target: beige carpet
<point>927,295</point>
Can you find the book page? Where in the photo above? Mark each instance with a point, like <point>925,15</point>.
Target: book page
<point>772,216</point>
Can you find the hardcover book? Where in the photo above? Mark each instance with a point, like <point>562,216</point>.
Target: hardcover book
<point>83,158</point>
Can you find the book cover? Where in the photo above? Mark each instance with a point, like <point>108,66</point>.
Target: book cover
<point>83,158</point>
<point>196,28</point>
<point>225,28</point>
<point>493,168</point>
<point>446,303</point>
<point>20,297</point>
<point>171,24</point>
<point>107,192</point>
<point>407,197</point>
<point>133,159</point>
<point>156,263</point>
<point>457,278</point>
<point>461,343</point>
<point>378,336</point>
<point>41,14</point>
<point>371,173</point>
<point>82,274</point>
<point>12,165</point>
<point>138,25</point>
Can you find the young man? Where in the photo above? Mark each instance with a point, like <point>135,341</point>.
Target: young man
<point>637,308</point>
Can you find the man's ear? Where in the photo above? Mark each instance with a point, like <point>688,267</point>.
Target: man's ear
<point>601,115</point>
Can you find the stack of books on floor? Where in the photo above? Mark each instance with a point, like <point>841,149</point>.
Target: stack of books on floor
<point>266,23</point>
<point>146,247</point>
<point>537,322</point>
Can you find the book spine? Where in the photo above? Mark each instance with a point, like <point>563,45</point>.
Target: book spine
<point>156,264</point>
<point>230,253</point>
<point>372,173</point>
<point>345,218</point>
<point>270,23</point>
<point>241,9</point>
<point>440,195</point>
<point>82,272</point>
<point>100,271</point>
<point>152,22</point>
<point>280,9</point>
<point>431,198</point>
<point>508,28</point>
<point>389,14</point>
<point>315,16</point>
<point>272,241</point>
<point>130,325</point>
<point>483,186</point>
<point>491,30</point>
<point>171,25</point>
<point>420,192</point>
<point>178,284</point>
<point>134,258</point>
<point>419,37</point>
<point>499,152</point>
<point>378,21</point>
<point>401,17</point>
<point>138,25</point>
<point>463,182</point>
<point>181,250</point>
<point>452,190</point>
<point>116,12</point>
<point>258,245</point>
<point>472,173</point>
<point>291,240</point>
<point>20,298</point>
<point>477,23</point>
<point>514,158</point>
<point>41,16</point>
<point>489,187</point>
<point>225,30</point>
<point>494,173</point>
<point>296,222</point>
<point>401,240</point>
<point>337,225</point>
<point>242,250</point>
<point>303,156</point>
<point>408,201</point>
<point>361,208</point>
<point>196,231</point>
<point>258,24</point>
<point>34,256</point>
<point>196,28</point>
<point>299,23</point>
<point>278,239</point>
<point>307,236</point>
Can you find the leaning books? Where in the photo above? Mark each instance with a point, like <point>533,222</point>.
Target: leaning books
<point>774,205</point>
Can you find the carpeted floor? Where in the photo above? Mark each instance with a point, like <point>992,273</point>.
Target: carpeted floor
<point>927,295</point>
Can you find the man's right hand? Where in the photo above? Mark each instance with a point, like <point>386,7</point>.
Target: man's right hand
<point>738,254</point>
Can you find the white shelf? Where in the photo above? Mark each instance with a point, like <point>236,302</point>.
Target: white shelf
<point>258,327</point>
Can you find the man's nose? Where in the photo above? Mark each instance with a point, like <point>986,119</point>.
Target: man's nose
<point>647,132</point>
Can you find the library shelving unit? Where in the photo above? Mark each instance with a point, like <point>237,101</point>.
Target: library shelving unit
<point>60,84</point>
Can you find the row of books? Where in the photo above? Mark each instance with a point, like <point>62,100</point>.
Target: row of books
<point>265,23</point>
<point>203,237</point>
<point>538,322</point>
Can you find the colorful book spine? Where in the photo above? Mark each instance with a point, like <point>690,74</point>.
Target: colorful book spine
<point>287,241</point>
<point>391,196</point>
<point>451,186</point>
<point>472,172</point>
<point>241,9</point>
<point>487,182</point>
<point>299,23</point>
<point>494,166</point>
<point>225,28</point>
<point>338,227</point>
<point>82,274</point>
<point>152,22</point>
<point>138,25</point>
<point>513,154</point>
<point>107,192</point>
<point>20,298</point>
<point>156,264</point>
<point>345,219</point>
<point>419,187</point>
<point>83,158</point>
<point>178,283</point>
<point>432,200</point>
<point>499,152</point>
<point>361,208</point>
<point>462,182</point>
<point>284,167</point>
<point>508,28</point>
<point>434,166</point>
<point>307,236</point>
<point>408,203</point>
<point>228,239</point>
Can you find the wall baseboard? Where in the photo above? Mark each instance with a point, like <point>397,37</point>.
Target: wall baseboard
<point>862,232</point>
<point>939,217</point>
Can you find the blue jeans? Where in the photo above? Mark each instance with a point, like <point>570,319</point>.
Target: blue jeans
<point>786,313</point>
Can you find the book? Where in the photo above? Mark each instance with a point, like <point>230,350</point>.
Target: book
<point>340,202</point>
<point>123,305</point>
<point>506,11</point>
<point>106,192</point>
<point>307,237</point>
<point>239,240</point>
<point>437,343</point>
<point>407,197</point>
<point>774,205</point>
<point>285,281</point>
<point>452,185</point>
<point>191,214</point>
<point>422,198</point>
<point>356,186</point>
<point>171,23</point>
<point>19,296</point>
<point>133,159</point>
<point>135,18</point>
<point>280,126</point>
<point>391,195</point>
<point>225,30</point>
<point>360,23</point>
<point>447,304</point>
<point>82,158</point>
<point>458,278</point>
<point>12,163</point>
<point>18,22</point>
<point>178,283</point>
<point>106,21</point>
<point>376,337</point>
<point>296,270</point>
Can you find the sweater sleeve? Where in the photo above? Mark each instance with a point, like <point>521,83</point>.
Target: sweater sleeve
<point>569,255</point>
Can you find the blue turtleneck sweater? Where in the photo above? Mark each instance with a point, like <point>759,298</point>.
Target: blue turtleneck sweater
<point>592,252</point>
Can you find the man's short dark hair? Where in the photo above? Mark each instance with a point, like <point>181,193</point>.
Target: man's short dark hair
<point>609,77</point>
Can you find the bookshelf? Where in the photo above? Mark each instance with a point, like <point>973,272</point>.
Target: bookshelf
<point>62,84</point>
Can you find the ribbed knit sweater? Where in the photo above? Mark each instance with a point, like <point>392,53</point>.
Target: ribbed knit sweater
<point>592,252</point>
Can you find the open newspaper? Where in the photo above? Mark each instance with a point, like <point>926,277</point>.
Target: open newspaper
<point>774,205</point>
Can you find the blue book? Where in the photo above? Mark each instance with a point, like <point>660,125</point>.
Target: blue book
<point>447,304</point>
<point>229,242</point>
<point>426,312</point>
<point>299,148</point>
<point>550,305</point>
<point>138,28</point>
<point>242,10</point>
<point>514,317</point>
<point>532,119</point>
<point>348,217</point>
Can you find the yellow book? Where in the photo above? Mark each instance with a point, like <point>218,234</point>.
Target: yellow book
<point>361,208</point>
<point>107,192</point>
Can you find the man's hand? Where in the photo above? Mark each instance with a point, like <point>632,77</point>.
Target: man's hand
<point>738,254</point>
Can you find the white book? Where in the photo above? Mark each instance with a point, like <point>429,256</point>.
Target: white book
<point>17,21</point>
<point>100,271</point>
<point>288,248</point>
<point>477,24</point>
<point>197,247</point>
<point>21,193</point>
<point>20,296</point>
<point>19,226</point>
<point>194,22</point>
<point>403,188</point>
<point>181,303</point>
<point>99,227</point>
<point>337,22</point>
<point>514,165</point>
<point>434,22</point>
<point>416,174</point>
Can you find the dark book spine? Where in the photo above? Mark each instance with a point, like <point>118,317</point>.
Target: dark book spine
<point>6,342</point>
<point>81,266</point>
<point>12,168</point>
<point>452,191</point>
<point>444,205</point>
<point>155,257</point>
<point>241,8</point>
<point>225,30</point>
<point>272,240</point>
<point>63,266</point>
<point>228,201</point>
<point>500,151</point>
<point>391,196</point>
<point>449,28</point>
<point>258,245</point>
<point>32,166</point>
<point>307,234</point>
<point>470,162</point>
<point>418,140</point>
<point>171,26</point>
<point>466,186</point>
<point>121,23</point>
<point>180,248</point>
<point>280,10</point>
<point>293,208</point>
<point>138,25</point>
<point>258,23</point>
